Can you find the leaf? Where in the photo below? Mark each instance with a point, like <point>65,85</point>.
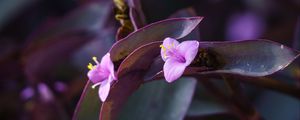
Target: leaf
<point>134,65</point>
<point>160,100</point>
<point>187,12</point>
<point>157,65</point>
<point>59,41</point>
<point>203,103</point>
<point>35,66</point>
<point>215,116</point>
<point>10,8</point>
<point>137,16</point>
<point>175,28</point>
<point>119,94</point>
<point>129,77</point>
<point>205,107</point>
<point>122,16</point>
<point>89,18</point>
<point>88,106</point>
<point>157,100</point>
<point>274,106</point>
<point>253,58</point>
<point>140,59</point>
<point>272,84</point>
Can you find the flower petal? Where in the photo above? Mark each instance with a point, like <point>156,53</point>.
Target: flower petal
<point>96,75</point>
<point>104,88</point>
<point>107,64</point>
<point>168,42</point>
<point>189,50</point>
<point>173,69</point>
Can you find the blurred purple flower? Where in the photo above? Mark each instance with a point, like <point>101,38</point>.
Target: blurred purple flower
<point>60,86</point>
<point>102,74</point>
<point>245,26</point>
<point>177,57</point>
<point>45,92</point>
<point>27,93</point>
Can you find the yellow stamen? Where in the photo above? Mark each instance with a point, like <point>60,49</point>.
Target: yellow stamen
<point>165,49</point>
<point>162,47</point>
<point>90,66</point>
<point>95,60</point>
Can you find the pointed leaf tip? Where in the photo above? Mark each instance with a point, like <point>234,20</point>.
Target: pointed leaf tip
<point>251,57</point>
<point>175,28</point>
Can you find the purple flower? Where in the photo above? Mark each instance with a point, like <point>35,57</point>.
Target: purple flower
<point>102,74</point>
<point>45,92</point>
<point>245,27</point>
<point>177,57</point>
<point>27,93</point>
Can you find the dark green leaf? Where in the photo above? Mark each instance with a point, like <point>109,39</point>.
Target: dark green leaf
<point>160,100</point>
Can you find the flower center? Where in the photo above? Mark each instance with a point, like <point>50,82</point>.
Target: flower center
<point>90,66</point>
<point>178,56</point>
<point>170,51</point>
<point>167,48</point>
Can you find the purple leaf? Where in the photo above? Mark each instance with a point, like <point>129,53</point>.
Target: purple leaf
<point>175,28</point>
<point>130,78</point>
<point>254,58</point>
<point>251,57</point>
<point>62,39</point>
<point>158,63</point>
<point>88,106</point>
<point>139,61</point>
<point>160,100</point>
<point>88,18</point>
<point>118,95</point>
<point>187,12</point>
<point>56,51</point>
<point>137,16</point>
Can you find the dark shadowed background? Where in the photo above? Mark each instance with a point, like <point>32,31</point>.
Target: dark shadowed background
<point>46,45</point>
